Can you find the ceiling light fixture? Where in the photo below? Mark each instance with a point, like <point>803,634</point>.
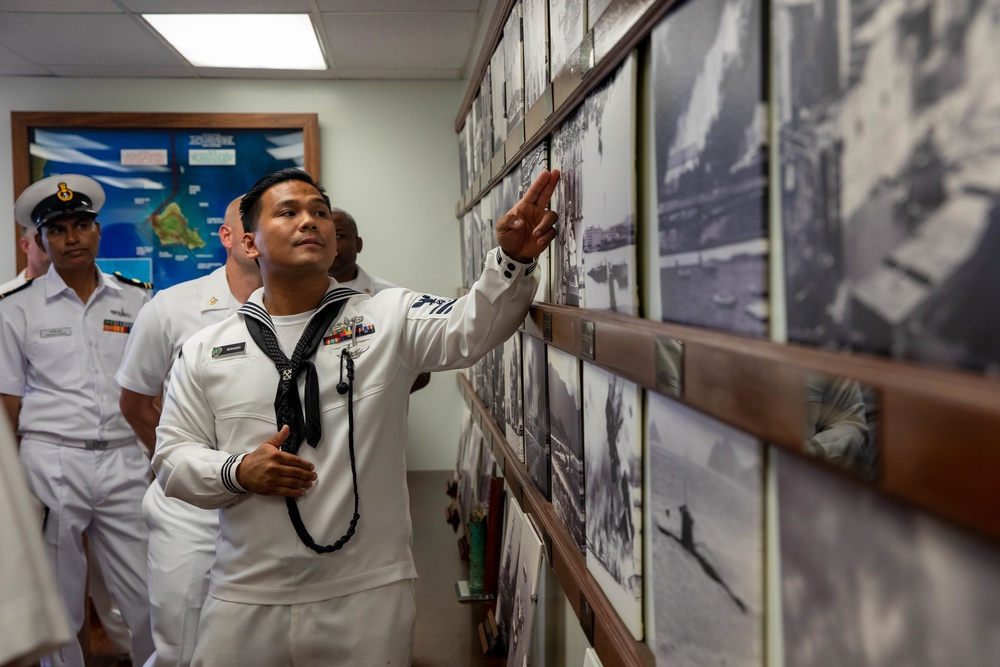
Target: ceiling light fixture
<point>257,41</point>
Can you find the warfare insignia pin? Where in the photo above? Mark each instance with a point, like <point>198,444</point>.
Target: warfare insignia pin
<point>213,301</point>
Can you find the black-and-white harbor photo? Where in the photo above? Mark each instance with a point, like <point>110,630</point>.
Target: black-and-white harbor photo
<point>513,68</point>
<point>536,51</point>
<point>566,31</point>
<point>536,412</point>
<point>468,490</point>
<point>609,194</point>
<point>595,9</point>
<point>529,567</point>
<point>514,395</point>
<point>566,443</point>
<point>567,199</point>
<point>499,100</point>
<point>706,518</point>
<point>711,211</point>
<point>530,168</point>
<point>612,451</point>
<point>484,122</point>
<point>869,582</point>
<point>887,119</point>
<point>510,551</point>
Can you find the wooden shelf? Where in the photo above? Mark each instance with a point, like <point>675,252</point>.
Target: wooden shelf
<point>604,629</point>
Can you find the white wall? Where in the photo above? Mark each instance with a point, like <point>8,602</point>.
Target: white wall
<point>388,155</point>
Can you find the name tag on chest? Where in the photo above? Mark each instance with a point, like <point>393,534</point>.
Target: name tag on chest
<point>56,332</point>
<point>229,350</point>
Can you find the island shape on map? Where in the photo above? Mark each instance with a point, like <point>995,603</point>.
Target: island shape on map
<point>171,227</point>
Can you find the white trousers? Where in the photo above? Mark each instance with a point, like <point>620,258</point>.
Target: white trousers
<point>181,553</point>
<point>97,492</point>
<point>373,628</point>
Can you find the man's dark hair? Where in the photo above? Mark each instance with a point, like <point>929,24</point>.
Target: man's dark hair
<point>250,204</point>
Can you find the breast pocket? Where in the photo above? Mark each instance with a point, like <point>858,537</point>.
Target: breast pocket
<point>248,384</point>
<point>56,362</point>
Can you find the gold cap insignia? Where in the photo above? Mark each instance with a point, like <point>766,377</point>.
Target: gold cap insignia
<point>64,194</point>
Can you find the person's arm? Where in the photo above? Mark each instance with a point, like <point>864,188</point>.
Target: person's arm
<point>142,413</point>
<point>12,406</point>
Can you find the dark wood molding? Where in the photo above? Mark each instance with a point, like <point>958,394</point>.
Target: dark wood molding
<point>611,639</point>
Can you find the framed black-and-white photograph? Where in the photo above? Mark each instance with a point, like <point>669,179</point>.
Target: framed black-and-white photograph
<point>610,272</point>
<point>484,122</point>
<point>536,50</point>
<point>566,31</point>
<point>710,219</point>
<point>469,488</point>
<point>900,587</point>
<point>595,9</point>
<point>510,552</point>
<point>536,412</point>
<point>514,422</point>
<point>531,167</point>
<point>707,531</point>
<point>567,199</point>
<point>463,443</point>
<point>889,161</point>
<point>529,568</point>
<point>513,68</point>
<point>487,469</point>
<point>498,97</point>
<point>499,388</point>
<point>566,443</point>
<point>612,451</point>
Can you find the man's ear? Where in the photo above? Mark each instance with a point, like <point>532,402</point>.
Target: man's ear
<point>38,240</point>
<point>226,237</point>
<point>360,244</point>
<point>250,245</point>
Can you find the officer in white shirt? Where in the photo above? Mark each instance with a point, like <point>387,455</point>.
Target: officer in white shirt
<point>346,271</point>
<point>38,261</point>
<point>61,340</point>
<point>325,579</point>
<point>181,536</point>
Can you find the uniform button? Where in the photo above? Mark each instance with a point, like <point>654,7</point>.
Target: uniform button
<point>508,274</point>
<point>511,267</point>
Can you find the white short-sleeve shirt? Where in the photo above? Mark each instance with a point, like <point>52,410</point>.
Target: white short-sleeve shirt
<point>60,355</point>
<point>365,283</point>
<point>166,323</point>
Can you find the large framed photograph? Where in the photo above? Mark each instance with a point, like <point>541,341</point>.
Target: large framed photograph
<point>886,119</point>
<point>168,177</point>
<point>566,442</point>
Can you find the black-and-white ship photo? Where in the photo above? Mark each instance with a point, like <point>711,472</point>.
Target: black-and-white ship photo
<point>499,388</point>
<point>609,194</point>
<point>536,49</point>
<point>898,586</point>
<point>470,247</point>
<point>707,525</point>
<point>510,551</point>
<point>468,490</point>
<point>499,100</point>
<point>566,443</point>
<point>711,205</point>
<point>596,9</point>
<point>529,567</point>
<point>887,116</point>
<point>566,32</point>
<point>531,167</point>
<point>514,421</point>
<point>612,451</point>
<point>484,122</point>
<point>536,412</point>
<point>513,68</point>
<point>567,199</point>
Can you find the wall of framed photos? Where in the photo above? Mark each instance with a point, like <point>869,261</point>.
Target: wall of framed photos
<point>758,410</point>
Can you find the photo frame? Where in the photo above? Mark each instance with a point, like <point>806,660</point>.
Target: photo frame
<point>168,177</point>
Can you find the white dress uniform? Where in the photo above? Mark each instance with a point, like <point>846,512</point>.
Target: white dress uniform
<point>220,407</point>
<point>365,283</point>
<point>80,457</point>
<point>181,536</point>
<point>22,278</point>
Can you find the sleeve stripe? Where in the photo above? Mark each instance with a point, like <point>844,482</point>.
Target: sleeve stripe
<point>228,472</point>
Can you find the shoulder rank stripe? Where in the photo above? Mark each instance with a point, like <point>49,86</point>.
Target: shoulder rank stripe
<point>134,282</point>
<point>17,289</point>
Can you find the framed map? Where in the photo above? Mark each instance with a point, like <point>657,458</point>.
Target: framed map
<point>168,177</point>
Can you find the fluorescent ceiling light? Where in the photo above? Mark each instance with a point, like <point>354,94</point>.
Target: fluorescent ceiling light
<point>257,41</point>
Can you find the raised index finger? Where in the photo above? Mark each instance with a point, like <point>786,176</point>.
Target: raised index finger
<point>541,190</point>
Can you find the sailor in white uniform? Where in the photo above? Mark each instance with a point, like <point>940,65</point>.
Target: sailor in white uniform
<point>181,536</point>
<point>61,339</point>
<point>323,579</point>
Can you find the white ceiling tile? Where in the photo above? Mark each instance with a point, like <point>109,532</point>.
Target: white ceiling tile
<point>218,6</point>
<point>120,71</point>
<point>60,6</point>
<point>236,73</point>
<point>23,70</point>
<point>355,6</point>
<point>8,57</point>
<point>83,39</point>
<point>399,40</point>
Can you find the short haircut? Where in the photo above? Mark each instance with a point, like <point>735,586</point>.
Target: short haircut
<point>350,218</point>
<point>250,205</point>
<point>28,232</point>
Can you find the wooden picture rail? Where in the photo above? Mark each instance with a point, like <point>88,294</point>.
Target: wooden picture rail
<point>604,629</point>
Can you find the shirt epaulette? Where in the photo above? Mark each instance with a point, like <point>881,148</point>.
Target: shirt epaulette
<point>17,289</point>
<point>134,282</point>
